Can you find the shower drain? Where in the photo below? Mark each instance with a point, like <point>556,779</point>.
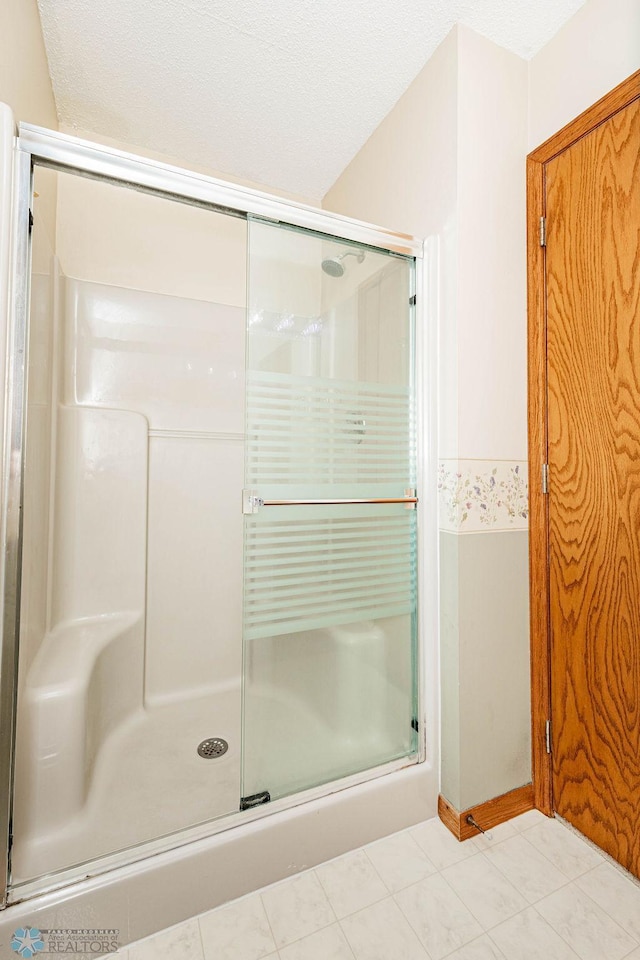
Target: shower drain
<point>212,748</point>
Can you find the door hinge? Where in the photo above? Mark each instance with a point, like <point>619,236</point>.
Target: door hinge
<point>543,231</point>
<point>545,478</point>
<point>414,724</point>
<point>547,735</point>
<point>30,221</point>
<point>413,300</point>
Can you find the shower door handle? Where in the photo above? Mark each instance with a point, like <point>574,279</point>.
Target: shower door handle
<point>251,502</point>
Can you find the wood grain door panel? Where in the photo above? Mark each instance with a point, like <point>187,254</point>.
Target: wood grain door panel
<point>593,382</point>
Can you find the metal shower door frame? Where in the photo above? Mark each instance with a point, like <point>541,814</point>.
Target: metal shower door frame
<point>64,153</point>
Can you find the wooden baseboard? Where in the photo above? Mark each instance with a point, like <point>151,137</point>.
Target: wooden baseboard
<point>488,814</point>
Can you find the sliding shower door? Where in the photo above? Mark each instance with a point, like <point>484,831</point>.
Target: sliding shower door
<point>330,520</point>
<point>128,724</point>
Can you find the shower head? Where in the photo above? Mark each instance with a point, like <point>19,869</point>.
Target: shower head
<point>334,266</point>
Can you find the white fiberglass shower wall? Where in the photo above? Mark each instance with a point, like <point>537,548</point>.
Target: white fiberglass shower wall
<point>218,586</point>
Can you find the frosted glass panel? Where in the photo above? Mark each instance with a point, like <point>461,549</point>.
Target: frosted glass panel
<point>329,587</point>
<point>308,567</point>
<point>319,432</point>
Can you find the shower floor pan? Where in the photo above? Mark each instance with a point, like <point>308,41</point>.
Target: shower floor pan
<point>149,781</point>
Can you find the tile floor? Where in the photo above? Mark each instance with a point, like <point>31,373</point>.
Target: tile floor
<point>535,891</point>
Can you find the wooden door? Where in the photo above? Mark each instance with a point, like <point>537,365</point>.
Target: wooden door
<point>592,198</point>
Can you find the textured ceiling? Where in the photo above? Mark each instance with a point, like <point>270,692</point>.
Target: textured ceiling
<point>281,92</point>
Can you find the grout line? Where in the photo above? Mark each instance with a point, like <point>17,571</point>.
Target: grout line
<point>607,858</point>
<point>346,938</point>
<point>378,875</point>
<point>320,884</point>
<point>557,932</point>
<point>197,920</point>
<point>606,912</point>
<point>298,939</point>
<point>542,852</point>
<point>344,934</point>
<point>485,933</point>
<point>273,936</point>
<point>494,944</point>
<point>373,902</point>
<point>408,921</point>
<point>549,893</point>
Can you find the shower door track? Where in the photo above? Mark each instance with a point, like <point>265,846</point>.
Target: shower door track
<point>63,152</point>
<point>38,146</point>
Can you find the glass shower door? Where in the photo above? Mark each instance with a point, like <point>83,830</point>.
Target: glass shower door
<point>330,520</point>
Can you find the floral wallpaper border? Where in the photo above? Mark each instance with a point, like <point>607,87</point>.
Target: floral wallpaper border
<point>476,495</point>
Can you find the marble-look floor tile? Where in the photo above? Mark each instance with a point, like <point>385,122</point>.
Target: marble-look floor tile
<point>618,895</point>
<point>528,870</point>
<point>327,944</point>
<point>297,908</point>
<point>400,861</point>
<point>181,942</point>
<point>592,933</point>
<point>571,855</point>
<point>351,883</point>
<point>527,820</point>
<point>238,931</point>
<point>438,916</point>
<point>493,836</point>
<point>487,893</point>
<point>527,936</point>
<point>584,907</point>
<point>440,845</point>
<point>382,932</point>
<point>481,949</point>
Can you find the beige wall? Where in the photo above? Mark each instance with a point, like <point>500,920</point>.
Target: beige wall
<point>25,84</point>
<point>594,51</point>
<point>404,175</point>
<point>491,270</point>
<point>447,163</point>
<point>24,73</point>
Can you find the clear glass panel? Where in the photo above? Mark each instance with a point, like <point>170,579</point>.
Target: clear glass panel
<point>329,589</point>
<point>131,613</point>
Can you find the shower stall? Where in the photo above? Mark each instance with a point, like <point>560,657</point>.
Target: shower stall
<point>213,513</point>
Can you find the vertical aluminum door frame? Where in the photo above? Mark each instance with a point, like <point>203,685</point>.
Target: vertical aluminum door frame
<point>17,316</point>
